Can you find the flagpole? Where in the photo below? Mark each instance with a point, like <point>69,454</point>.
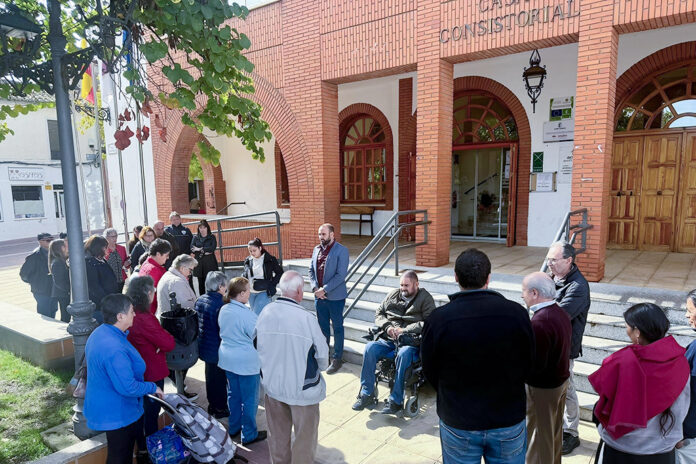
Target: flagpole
<point>114,96</point>
<point>103,172</point>
<point>79,163</point>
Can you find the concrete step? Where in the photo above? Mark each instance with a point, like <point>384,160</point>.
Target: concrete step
<point>595,349</point>
<point>614,328</point>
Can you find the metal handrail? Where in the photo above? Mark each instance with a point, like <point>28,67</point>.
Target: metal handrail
<point>578,229</point>
<point>221,248</point>
<point>393,228</point>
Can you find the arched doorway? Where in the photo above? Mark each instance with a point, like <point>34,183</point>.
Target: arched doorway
<point>653,182</point>
<point>484,148</point>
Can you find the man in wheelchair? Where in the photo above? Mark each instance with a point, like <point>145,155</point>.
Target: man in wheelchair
<point>402,312</point>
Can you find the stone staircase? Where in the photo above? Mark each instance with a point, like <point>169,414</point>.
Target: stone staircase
<point>604,333</point>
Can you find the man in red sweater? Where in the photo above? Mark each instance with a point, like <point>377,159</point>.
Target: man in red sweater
<point>547,385</point>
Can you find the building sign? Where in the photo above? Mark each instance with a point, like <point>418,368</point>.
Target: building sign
<point>565,165</point>
<point>538,161</point>
<point>26,174</point>
<point>559,131</point>
<point>495,19</point>
<point>561,108</point>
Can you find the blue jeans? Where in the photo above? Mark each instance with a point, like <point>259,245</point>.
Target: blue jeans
<point>258,301</point>
<point>379,349</point>
<point>243,401</point>
<point>506,445</point>
<point>333,311</point>
<point>46,305</point>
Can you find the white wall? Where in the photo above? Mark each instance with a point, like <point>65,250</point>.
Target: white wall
<point>29,148</point>
<point>636,46</point>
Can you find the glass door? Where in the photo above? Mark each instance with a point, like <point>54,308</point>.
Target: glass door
<point>480,186</point>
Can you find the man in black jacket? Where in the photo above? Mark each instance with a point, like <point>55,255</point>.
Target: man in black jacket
<point>158,227</point>
<point>573,295</point>
<point>477,351</point>
<point>34,271</point>
<point>182,235</point>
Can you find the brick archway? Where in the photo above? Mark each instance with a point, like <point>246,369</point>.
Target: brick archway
<point>634,77</point>
<point>524,155</point>
<point>348,115</point>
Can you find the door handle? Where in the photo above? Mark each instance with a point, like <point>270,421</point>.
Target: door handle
<point>659,192</point>
<point>630,193</point>
<point>618,194</point>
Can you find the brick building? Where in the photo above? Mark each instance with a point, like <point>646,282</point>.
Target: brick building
<point>406,104</point>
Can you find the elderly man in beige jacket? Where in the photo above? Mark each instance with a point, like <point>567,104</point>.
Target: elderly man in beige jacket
<point>176,280</point>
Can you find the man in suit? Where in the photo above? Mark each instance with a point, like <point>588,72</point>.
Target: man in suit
<point>327,274</point>
<point>34,271</point>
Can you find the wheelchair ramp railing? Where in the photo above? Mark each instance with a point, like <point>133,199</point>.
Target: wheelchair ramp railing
<point>234,236</point>
<point>574,225</point>
<point>384,246</point>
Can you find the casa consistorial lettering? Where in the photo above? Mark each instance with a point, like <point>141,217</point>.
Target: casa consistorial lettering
<point>494,22</point>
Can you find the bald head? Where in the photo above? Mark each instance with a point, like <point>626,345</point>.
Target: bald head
<point>538,287</point>
<point>158,227</point>
<point>291,285</point>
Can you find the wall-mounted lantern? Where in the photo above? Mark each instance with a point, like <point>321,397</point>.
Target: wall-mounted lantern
<point>534,77</point>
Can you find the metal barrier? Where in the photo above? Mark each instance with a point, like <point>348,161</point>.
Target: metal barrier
<point>390,231</point>
<point>564,232</point>
<point>219,231</point>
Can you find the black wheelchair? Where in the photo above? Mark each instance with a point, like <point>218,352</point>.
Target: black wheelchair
<point>385,372</point>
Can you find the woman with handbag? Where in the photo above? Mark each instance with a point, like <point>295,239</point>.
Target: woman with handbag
<point>654,371</point>
<point>203,246</point>
<point>115,382</point>
<point>263,272</point>
<point>58,265</point>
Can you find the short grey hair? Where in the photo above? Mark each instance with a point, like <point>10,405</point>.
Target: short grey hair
<point>566,248</point>
<point>410,274</point>
<point>110,230</point>
<point>542,283</point>
<point>290,283</point>
<point>184,261</point>
<point>174,214</point>
<point>214,280</point>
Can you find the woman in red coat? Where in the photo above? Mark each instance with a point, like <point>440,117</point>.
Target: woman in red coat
<point>154,265</point>
<point>151,341</point>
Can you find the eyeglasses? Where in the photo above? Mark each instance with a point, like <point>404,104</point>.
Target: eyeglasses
<point>112,236</point>
<point>554,260</point>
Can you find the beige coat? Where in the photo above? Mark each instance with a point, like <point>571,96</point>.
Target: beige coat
<point>174,281</point>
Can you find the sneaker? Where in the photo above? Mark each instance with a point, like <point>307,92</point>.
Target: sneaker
<point>364,401</point>
<point>570,442</point>
<point>191,396</point>
<point>335,366</point>
<point>259,437</point>
<point>221,414</point>
<point>391,408</point>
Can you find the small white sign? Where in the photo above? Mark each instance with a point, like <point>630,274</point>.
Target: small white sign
<point>544,182</point>
<point>25,174</point>
<point>565,165</point>
<point>559,131</point>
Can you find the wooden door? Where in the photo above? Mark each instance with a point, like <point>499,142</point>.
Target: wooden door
<point>686,241</point>
<point>626,164</point>
<point>661,160</point>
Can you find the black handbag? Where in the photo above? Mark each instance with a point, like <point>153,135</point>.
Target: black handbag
<point>260,285</point>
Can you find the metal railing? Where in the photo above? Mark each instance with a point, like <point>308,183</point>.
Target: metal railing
<point>389,234</point>
<point>568,233</point>
<point>219,231</point>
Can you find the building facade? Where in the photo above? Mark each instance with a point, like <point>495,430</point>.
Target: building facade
<point>420,104</point>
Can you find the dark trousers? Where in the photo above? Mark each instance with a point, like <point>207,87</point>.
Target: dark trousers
<point>63,302</point>
<point>120,443</point>
<point>216,389</point>
<point>46,305</point>
<point>613,456</point>
<point>206,264</point>
<point>151,415</point>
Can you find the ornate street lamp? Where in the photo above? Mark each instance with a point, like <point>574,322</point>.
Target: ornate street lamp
<point>534,77</point>
<point>57,76</point>
<point>20,39</point>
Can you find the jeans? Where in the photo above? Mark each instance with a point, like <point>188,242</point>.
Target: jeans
<point>216,389</point>
<point>151,414</point>
<point>46,305</point>
<point>506,445</point>
<point>243,401</point>
<point>120,443</point>
<point>333,311</point>
<point>258,301</point>
<point>380,349</point>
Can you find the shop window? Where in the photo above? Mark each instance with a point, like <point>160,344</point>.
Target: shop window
<point>666,100</point>
<point>53,139</point>
<point>27,201</point>
<point>481,119</point>
<point>364,162</point>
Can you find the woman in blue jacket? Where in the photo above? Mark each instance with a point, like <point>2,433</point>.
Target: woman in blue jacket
<point>208,308</point>
<point>115,385</point>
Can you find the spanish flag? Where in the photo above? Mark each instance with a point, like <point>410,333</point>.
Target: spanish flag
<point>87,92</point>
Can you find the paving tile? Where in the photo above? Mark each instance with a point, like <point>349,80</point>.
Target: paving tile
<point>340,447</point>
<point>389,453</point>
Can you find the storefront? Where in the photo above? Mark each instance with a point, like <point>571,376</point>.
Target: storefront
<point>421,104</point>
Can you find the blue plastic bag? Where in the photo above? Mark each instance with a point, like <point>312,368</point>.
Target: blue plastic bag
<point>165,447</point>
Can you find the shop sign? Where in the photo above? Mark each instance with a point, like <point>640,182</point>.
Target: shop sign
<point>25,174</point>
<point>561,108</point>
<point>496,19</point>
<point>559,131</point>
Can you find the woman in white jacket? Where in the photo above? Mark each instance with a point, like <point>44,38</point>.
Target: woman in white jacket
<point>176,280</point>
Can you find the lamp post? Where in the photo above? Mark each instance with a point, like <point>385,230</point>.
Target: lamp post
<point>54,77</point>
<point>534,77</point>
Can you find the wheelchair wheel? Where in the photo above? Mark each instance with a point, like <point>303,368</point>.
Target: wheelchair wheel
<point>412,407</point>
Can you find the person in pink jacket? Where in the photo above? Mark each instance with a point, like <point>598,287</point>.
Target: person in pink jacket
<point>154,265</point>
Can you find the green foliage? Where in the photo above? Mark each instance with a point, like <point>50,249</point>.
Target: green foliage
<point>32,400</point>
<point>195,169</point>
